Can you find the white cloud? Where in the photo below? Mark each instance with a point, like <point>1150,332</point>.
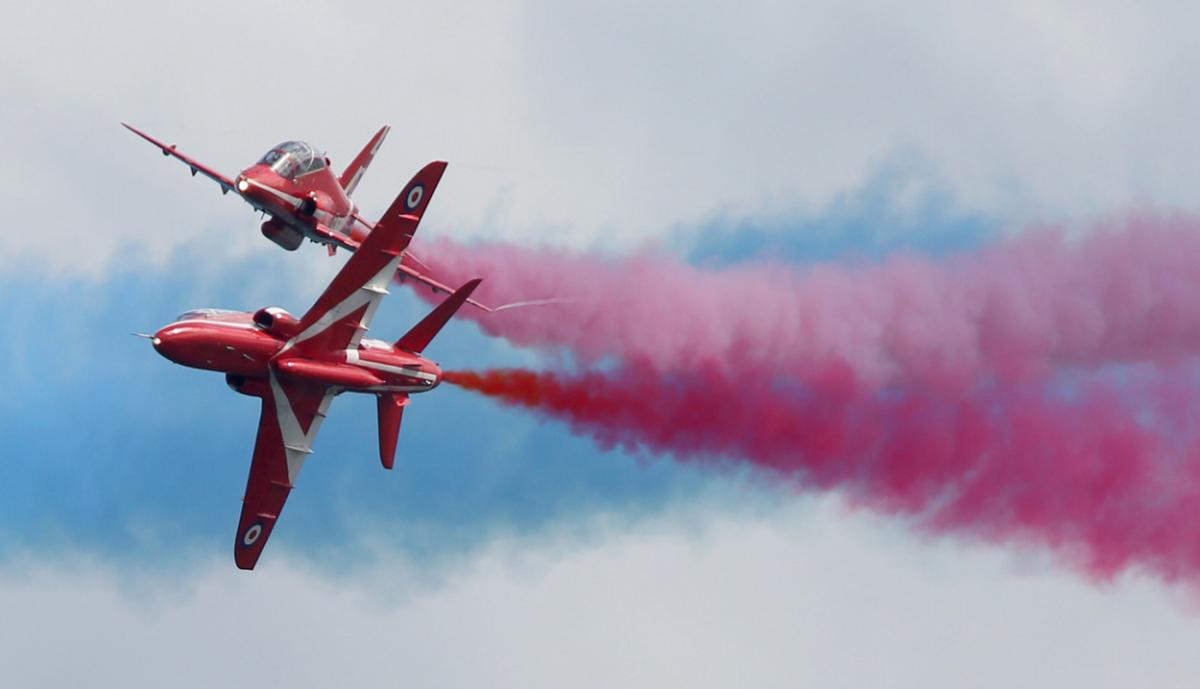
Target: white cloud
<point>584,125</point>
<point>588,124</point>
<point>806,596</point>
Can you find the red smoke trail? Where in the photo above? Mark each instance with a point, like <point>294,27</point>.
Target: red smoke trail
<point>1125,292</point>
<point>1107,476</point>
<point>1036,391</point>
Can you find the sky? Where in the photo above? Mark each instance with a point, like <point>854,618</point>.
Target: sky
<point>505,548</point>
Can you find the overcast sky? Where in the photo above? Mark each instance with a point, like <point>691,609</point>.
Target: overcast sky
<point>515,554</point>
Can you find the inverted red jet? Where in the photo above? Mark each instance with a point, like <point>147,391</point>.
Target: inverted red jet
<point>295,185</point>
<point>296,366</point>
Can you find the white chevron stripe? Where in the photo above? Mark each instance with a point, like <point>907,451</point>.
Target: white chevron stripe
<point>369,294</point>
<point>296,443</point>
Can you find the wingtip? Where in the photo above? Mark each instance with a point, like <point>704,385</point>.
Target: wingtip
<point>138,132</point>
<point>246,558</point>
<point>481,306</point>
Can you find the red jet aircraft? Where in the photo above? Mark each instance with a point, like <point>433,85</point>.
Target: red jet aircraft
<point>294,185</point>
<point>297,365</point>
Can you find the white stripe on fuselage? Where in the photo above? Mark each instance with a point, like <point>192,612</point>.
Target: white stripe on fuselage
<point>331,221</point>
<point>352,357</point>
<point>399,388</point>
<point>294,200</point>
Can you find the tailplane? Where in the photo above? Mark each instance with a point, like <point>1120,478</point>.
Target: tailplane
<point>391,411</point>
<point>417,339</point>
<point>391,404</point>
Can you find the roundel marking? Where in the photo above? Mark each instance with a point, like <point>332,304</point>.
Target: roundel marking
<point>414,196</point>
<point>252,534</point>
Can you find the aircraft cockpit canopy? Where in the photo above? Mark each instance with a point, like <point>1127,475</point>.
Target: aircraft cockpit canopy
<point>291,159</point>
<point>199,314</point>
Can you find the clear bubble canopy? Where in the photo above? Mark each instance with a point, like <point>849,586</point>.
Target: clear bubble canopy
<point>291,159</point>
<point>197,314</point>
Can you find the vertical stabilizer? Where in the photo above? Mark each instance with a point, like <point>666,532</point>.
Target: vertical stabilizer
<point>354,171</point>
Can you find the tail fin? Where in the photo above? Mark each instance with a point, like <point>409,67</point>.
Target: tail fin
<point>356,168</point>
<point>417,339</point>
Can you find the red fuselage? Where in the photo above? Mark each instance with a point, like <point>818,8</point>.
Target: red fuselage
<point>233,343</point>
<point>294,184</point>
<point>311,198</point>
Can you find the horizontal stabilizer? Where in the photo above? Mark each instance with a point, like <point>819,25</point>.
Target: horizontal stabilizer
<point>417,339</point>
<point>391,411</point>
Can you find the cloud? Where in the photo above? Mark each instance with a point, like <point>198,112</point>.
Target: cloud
<point>590,126</point>
<point>808,595</point>
<point>903,206</point>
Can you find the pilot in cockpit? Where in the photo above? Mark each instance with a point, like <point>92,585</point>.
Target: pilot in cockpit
<point>292,159</point>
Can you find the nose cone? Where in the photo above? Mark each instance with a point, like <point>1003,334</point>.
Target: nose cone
<point>165,342</point>
<point>255,182</point>
<point>175,342</point>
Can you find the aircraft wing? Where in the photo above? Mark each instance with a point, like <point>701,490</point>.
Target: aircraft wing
<point>291,416</point>
<point>334,239</point>
<point>406,272</point>
<point>195,165</point>
<point>344,311</point>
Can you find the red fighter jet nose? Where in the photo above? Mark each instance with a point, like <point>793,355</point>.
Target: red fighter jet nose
<point>169,342</point>
<point>255,181</point>
<point>245,181</point>
<point>183,343</point>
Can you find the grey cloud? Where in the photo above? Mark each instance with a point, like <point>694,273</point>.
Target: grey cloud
<point>605,125</point>
<point>809,596</point>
